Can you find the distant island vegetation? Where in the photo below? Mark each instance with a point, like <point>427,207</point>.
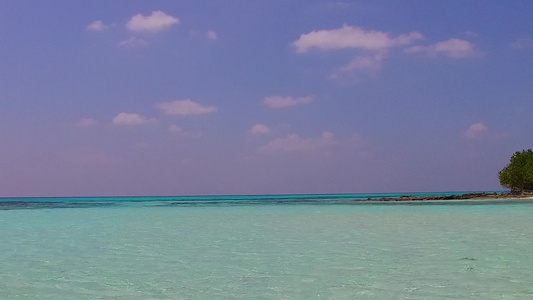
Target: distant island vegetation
<point>517,177</point>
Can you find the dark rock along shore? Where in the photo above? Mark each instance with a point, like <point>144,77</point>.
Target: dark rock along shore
<point>468,196</point>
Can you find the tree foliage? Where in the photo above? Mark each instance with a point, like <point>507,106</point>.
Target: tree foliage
<point>518,175</point>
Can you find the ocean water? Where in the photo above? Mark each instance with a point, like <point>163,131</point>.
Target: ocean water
<point>264,247</point>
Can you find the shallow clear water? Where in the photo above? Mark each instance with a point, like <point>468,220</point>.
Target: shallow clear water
<point>155,249</point>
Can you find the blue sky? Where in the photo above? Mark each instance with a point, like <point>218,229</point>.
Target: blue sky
<point>261,97</point>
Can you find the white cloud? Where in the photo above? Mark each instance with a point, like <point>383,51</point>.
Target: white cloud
<point>293,143</point>
<point>86,122</point>
<point>454,48</point>
<point>475,130</point>
<point>128,119</point>
<point>175,129</point>
<point>211,35</point>
<point>470,33</point>
<point>522,44</point>
<point>287,101</point>
<point>369,62</point>
<point>373,44</point>
<point>352,37</point>
<point>133,42</point>
<point>185,107</point>
<point>156,22</point>
<point>260,129</point>
<point>97,26</point>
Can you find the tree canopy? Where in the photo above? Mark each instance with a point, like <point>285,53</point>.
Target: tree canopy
<point>518,175</point>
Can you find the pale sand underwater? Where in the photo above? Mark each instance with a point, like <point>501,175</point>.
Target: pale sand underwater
<point>460,250</point>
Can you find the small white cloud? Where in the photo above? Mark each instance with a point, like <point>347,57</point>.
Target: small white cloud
<point>286,101</point>
<point>475,130</point>
<point>260,129</point>
<point>175,129</point>
<point>97,26</point>
<point>134,42</point>
<point>211,35</point>
<point>293,143</point>
<point>185,107</point>
<point>472,34</point>
<point>86,122</point>
<point>352,37</point>
<point>454,48</point>
<point>368,62</point>
<point>156,22</point>
<point>127,119</point>
<point>522,44</point>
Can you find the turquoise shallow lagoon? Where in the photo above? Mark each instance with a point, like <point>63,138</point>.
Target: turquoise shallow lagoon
<point>264,248</point>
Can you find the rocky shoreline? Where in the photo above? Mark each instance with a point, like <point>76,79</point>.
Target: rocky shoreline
<point>467,196</point>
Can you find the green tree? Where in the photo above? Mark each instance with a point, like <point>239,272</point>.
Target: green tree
<point>518,175</point>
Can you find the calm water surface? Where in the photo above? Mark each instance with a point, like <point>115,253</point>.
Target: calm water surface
<point>161,249</point>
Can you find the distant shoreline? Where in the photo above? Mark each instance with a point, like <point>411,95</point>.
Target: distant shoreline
<point>467,196</point>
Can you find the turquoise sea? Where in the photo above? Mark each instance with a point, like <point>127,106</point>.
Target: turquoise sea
<point>265,247</point>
